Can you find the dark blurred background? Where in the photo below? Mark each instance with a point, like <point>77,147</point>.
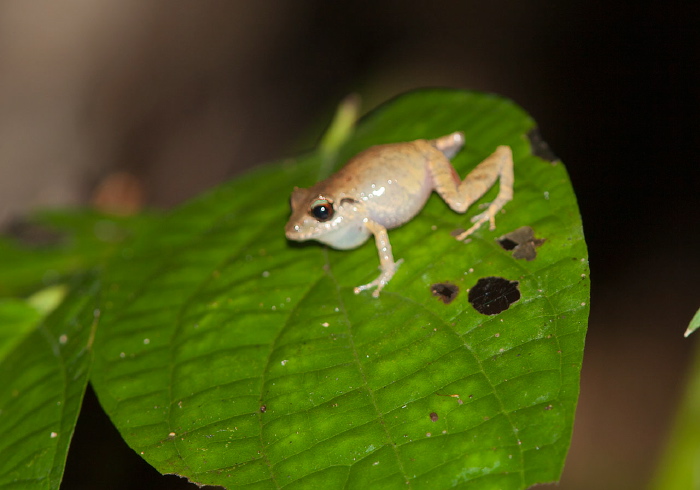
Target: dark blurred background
<point>132,103</point>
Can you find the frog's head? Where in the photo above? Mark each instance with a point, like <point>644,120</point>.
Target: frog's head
<point>335,222</point>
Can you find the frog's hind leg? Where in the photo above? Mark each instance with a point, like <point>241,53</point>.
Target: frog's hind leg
<point>449,145</point>
<point>460,195</point>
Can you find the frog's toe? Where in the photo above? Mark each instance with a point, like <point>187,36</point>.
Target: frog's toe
<point>481,218</point>
<point>380,281</point>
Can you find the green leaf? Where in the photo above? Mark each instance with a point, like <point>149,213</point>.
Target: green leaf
<point>17,318</point>
<point>694,323</point>
<point>679,468</point>
<point>342,125</point>
<point>53,245</point>
<point>44,373</point>
<point>232,357</point>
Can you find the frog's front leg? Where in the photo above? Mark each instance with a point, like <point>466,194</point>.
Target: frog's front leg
<point>460,195</point>
<point>386,259</point>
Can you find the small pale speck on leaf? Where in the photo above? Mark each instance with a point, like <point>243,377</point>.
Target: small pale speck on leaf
<point>54,434</point>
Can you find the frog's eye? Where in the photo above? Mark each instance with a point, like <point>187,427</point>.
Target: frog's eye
<point>322,209</point>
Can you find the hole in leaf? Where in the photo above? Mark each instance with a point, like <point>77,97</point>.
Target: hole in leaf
<point>539,148</point>
<point>492,295</point>
<point>522,242</point>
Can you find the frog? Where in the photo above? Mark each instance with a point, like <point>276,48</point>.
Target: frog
<point>387,185</point>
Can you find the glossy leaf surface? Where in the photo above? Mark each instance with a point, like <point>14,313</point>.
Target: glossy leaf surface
<point>228,355</point>
<point>233,357</point>
<point>44,376</point>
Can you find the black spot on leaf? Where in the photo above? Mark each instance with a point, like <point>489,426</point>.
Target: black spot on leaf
<point>445,291</point>
<point>507,243</point>
<point>492,295</point>
<point>539,147</point>
<point>433,416</point>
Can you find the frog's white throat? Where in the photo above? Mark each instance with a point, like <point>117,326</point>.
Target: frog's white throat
<point>350,235</point>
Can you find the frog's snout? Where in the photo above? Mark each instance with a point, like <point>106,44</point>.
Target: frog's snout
<point>292,231</point>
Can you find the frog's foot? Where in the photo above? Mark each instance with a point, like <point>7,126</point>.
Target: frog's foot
<point>481,218</point>
<point>380,281</point>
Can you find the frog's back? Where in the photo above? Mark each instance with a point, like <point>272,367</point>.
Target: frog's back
<point>392,181</point>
